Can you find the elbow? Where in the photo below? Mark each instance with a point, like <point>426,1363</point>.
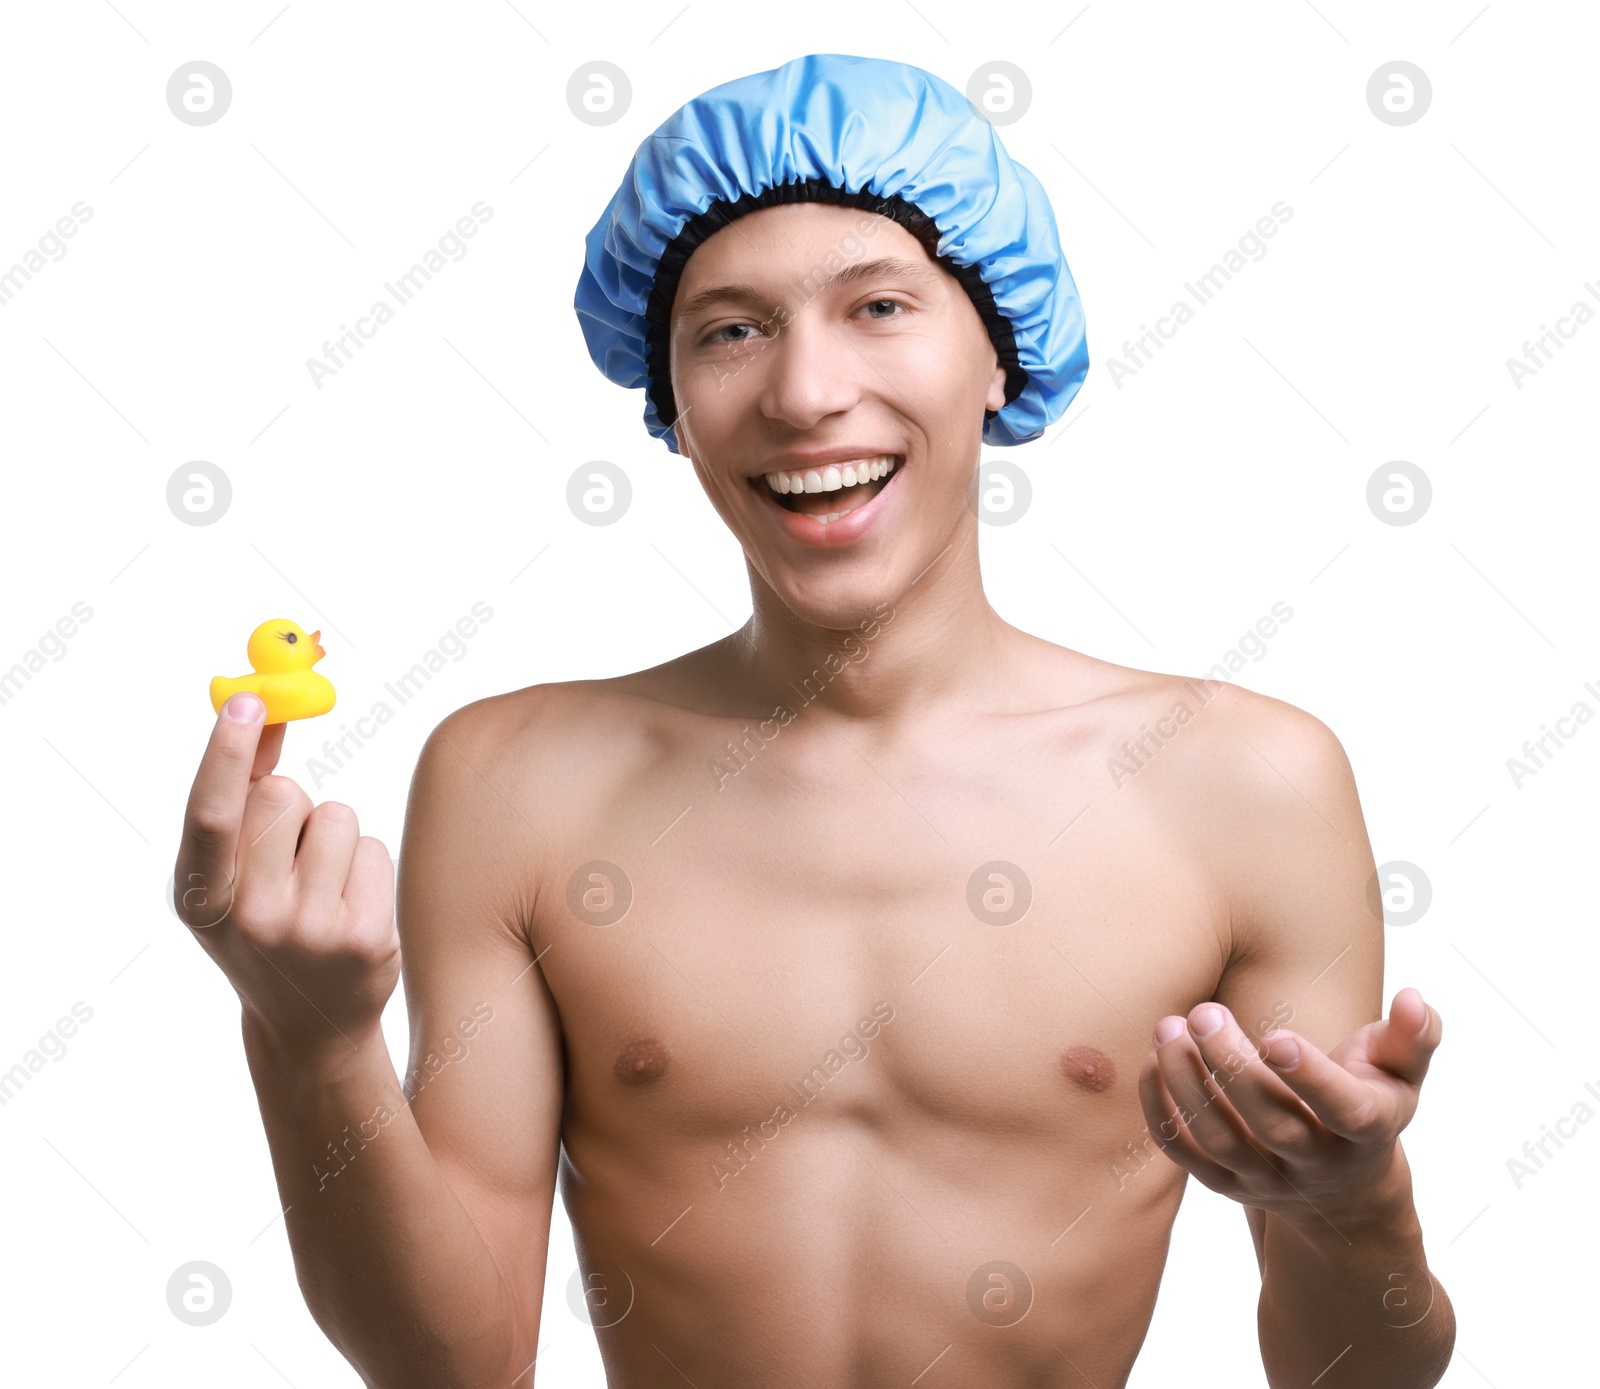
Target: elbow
<point>1445,1342</point>
<point>1423,1348</point>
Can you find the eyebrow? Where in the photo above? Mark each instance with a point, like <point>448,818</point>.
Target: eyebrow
<point>888,267</point>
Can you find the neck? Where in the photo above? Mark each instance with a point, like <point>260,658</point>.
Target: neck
<point>890,661</point>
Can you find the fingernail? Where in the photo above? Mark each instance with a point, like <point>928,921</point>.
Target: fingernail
<point>1207,1019</point>
<point>244,707</point>
<point>1283,1052</point>
<point>1167,1030</point>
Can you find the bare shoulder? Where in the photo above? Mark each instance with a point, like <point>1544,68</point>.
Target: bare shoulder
<point>1243,724</point>
<point>1267,752</point>
<point>604,705</point>
<point>552,739</point>
<point>580,715</point>
<point>1204,756</point>
<point>549,759</point>
<point>1216,725</point>
<point>1256,793</point>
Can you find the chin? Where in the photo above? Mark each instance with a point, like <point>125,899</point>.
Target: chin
<point>842,604</point>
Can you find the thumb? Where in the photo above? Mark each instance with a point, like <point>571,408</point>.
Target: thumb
<point>1404,1044</point>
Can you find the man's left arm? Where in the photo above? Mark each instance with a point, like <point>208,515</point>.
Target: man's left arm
<point>1309,1148</point>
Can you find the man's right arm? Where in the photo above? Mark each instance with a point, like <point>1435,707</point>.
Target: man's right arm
<point>419,1220</point>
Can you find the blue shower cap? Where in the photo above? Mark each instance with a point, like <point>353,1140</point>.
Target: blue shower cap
<point>857,132</point>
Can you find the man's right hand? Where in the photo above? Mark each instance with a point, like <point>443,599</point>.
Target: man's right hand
<point>291,901</point>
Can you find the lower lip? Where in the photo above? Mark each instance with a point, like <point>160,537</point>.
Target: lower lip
<point>830,535</point>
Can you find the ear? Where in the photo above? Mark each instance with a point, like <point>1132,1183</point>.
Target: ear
<point>996,398</point>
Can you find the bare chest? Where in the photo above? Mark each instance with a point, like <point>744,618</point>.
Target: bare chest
<point>971,942</point>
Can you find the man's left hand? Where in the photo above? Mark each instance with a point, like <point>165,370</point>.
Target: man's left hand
<point>1312,1140</point>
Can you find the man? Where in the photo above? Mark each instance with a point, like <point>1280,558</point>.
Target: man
<point>871,1023</point>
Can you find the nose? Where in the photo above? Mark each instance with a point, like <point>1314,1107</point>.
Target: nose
<point>809,375</point>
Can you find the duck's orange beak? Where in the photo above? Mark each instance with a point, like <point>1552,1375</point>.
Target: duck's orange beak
<point>315,642</point>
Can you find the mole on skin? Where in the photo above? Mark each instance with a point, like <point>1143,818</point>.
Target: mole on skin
<point>1089,1068</point>
<point>642,1061</point>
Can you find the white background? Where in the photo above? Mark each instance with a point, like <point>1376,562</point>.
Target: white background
<point>1170,512</point>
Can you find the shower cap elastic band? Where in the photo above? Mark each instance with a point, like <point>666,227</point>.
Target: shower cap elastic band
<point>882,136</point>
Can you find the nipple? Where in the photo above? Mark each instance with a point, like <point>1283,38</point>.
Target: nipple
<point>1088,1068</point>
<point>641,1061</point>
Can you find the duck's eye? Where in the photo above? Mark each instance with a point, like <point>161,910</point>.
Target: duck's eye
<point>291,638</point>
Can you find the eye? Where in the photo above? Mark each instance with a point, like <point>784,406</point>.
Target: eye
<point>872,303</point>
<point>713,337</point>
<point>289,637</point>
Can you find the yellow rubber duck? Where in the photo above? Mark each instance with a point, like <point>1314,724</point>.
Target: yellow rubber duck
<point>282,654</point>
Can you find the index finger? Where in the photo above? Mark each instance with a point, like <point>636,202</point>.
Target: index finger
<point>239,753</point>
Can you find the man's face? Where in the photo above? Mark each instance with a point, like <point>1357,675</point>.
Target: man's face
<point>779,368</point>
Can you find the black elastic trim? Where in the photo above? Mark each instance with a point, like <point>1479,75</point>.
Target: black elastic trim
<point>721,212</point>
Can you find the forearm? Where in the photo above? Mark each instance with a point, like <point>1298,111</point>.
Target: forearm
<point>1356,1306</point>
<point>392,1266</point>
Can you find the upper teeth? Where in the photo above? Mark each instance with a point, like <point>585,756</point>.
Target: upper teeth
<point>833,477</point>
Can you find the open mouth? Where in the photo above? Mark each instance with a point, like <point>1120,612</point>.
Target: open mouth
<point>827,494</point>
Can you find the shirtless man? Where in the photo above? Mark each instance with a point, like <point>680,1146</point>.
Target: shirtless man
<point>827,964</point>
